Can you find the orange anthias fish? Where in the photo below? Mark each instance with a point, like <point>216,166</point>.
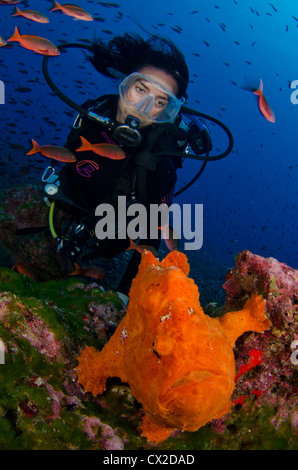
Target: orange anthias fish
<point>141,248</point>
<point>35,43</point>
<point>76,12</point>
<point>178,362</point>
<point>104,150</point>
<point>263,104</point>
<point>170,237</point>
<point>9,2</point>
<point>24,268</point>
<point>62,154</point>
<point>89,271</point>
<point>2,42</point>
<point>31,15</point>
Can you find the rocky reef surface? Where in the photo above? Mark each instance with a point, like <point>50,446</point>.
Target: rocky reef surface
<point>266,393</point>
<point>44,325</point>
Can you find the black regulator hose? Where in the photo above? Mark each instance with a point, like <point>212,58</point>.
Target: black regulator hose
<point>187,110</point>
<point>208,158</point>
<point>177,193</point>
<point>52,85</point>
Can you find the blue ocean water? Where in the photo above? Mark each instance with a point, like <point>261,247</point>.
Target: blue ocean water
<point>250,197</point>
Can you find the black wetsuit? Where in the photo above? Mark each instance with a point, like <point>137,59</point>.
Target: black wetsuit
<point>94,179</point>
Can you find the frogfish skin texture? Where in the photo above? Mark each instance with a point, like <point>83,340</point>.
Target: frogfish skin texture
<point>178,362</point>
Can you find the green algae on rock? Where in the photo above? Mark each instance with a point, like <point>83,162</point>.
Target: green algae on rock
<point>42,326</point>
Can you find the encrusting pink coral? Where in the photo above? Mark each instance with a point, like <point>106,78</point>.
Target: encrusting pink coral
<point>277,376</point>
<point>178,362</point>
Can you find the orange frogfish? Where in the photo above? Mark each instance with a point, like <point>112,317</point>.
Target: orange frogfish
<point>178,362</point>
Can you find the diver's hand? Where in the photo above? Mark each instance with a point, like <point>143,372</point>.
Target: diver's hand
<point>123,297</point>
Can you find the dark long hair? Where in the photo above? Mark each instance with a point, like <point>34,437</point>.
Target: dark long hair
<point>129,53</point>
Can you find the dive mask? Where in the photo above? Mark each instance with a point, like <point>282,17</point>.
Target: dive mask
<point>150,98</point>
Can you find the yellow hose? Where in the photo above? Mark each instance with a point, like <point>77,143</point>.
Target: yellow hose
<point>51,220</point>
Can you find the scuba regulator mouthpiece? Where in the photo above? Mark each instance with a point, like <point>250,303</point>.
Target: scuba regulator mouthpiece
<point>124,134</point>
<point>128,133</point>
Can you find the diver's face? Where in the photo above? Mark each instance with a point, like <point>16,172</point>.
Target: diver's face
<point>135,93</point>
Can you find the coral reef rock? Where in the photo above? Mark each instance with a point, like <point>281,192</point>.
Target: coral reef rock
<point>272,386</point>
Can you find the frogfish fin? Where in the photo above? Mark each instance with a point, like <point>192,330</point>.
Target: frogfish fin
<point>90,364</point>
<point>153,431</point>
<point>251,318</point>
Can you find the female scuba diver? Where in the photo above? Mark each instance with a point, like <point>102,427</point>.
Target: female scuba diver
<point>146,120</point>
